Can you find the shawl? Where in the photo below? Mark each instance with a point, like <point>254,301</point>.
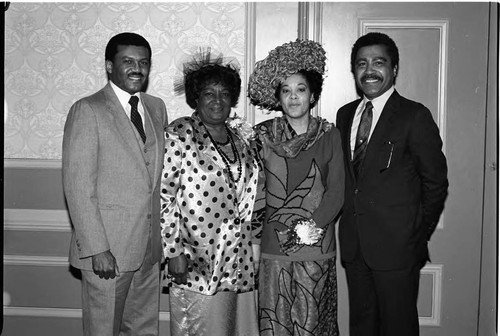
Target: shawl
<point>279,135</point>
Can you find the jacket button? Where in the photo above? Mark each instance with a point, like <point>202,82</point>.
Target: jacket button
<point>356,191</point>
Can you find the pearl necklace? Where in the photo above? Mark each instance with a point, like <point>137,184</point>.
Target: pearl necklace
<point>226,159</point>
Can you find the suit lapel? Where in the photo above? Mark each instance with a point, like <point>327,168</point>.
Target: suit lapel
<point>384,125</point>
<point>123,124</point>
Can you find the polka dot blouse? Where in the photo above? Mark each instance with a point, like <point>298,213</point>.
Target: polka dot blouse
<point>204,213</point>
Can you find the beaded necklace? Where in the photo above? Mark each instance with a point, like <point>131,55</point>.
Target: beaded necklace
<point>225,158</point>
<point>223,143</point>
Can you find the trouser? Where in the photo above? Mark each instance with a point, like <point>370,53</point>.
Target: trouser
<point>126,305</point>
<point>382,303</point>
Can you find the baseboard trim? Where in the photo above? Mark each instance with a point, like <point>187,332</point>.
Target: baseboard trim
<point>37,220</point>
<point>33,163</point>
<point>24,260</point>
<point>42,312</point>
<point>56,312</point>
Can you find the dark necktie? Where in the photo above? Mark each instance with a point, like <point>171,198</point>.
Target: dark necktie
<point>362,135</point>
<point>135,117</point>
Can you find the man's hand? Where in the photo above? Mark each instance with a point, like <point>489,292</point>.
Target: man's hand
<point>178,269</point>
<point>104,265</point>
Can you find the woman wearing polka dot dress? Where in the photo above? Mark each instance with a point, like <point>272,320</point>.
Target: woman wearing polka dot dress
<point>304,184</point>
<point>208,193</point>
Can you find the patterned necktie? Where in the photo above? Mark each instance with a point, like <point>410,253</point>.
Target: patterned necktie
<point>135,117</point>
<point>362,135</point>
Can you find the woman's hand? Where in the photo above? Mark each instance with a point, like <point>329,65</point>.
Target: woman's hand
<point>288,244</point>
<point>178,269</point>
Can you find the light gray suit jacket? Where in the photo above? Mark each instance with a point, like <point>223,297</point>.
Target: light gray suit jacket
<point>113,200</point>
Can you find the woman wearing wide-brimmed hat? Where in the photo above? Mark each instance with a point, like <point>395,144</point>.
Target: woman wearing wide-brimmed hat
<point>304,187</point>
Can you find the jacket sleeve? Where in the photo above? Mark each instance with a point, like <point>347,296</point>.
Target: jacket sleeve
<point>170,218</point>
<point>79,170</point>
<point>165,115</point>
<point>426,150</point>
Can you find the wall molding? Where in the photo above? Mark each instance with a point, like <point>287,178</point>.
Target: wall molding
<point>433,270</point>
<point>25,260</point>
<point>42,312</point>
<point>436,271</point>
<point>310,23</point>
<point>32,164</point>
<point>55,312</point>
<point>250,47</point>
<point>37,220</point>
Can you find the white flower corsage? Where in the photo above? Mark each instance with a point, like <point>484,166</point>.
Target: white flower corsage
<point>301,232</point>
<point>241,127</point>
<point>306,232</point>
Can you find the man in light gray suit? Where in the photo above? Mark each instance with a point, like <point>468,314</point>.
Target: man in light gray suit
<point>113,150</point>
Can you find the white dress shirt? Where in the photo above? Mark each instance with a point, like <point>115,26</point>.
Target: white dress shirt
<point>124,97</point>
<point>378,107</point>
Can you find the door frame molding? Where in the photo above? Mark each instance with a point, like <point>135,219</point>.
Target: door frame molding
<point>488,291</point>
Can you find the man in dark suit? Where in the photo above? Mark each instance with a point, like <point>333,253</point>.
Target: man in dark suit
<point>396,185</point>
<point>113,150</point>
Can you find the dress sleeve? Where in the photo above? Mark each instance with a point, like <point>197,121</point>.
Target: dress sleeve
<point>170,183</point>
<point>333,197</point>
<point>259,207</point>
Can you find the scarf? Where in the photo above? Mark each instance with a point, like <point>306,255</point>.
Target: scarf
<point>279,135</point>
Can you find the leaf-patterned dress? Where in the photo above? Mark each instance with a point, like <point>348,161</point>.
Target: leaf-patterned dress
<point>298,291</point>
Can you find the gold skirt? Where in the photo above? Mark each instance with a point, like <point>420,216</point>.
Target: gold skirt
<point>222,314</point>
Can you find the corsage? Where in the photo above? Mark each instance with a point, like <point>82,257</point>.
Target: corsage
<point>301,232</point>
<point>241,127</point>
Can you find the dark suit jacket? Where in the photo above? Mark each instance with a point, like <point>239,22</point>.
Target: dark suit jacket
<point>113,200</point>
<point>393,206</point>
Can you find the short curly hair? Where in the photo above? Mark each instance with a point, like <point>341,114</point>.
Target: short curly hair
<point>375,38</point>
<point>197,80</point>
<point>314,80</point>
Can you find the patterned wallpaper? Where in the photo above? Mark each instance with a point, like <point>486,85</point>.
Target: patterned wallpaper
<point>54,55</point>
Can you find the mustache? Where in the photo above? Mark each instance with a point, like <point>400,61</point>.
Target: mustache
<point>136,74</point>
<point>366,77</point>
